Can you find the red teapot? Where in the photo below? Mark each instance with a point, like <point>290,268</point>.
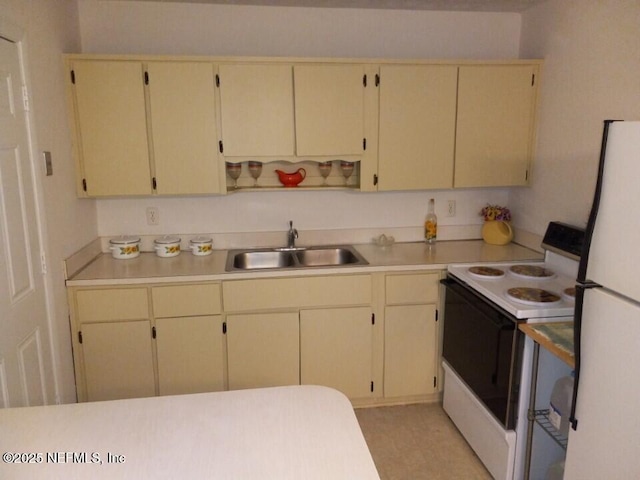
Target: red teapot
<point>291,179</point>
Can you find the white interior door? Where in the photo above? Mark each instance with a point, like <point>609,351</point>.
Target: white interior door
<point>25,353</point>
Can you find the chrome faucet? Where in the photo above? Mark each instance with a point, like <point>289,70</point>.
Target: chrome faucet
<point>292,234</point>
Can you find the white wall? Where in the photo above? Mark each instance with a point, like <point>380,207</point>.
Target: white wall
<point>51,29</point>
<point>591,73</point>
<point>189,29</point>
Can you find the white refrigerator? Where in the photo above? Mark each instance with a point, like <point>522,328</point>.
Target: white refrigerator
<point>604,438</point>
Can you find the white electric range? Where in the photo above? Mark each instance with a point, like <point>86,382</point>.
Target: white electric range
<point>487,361</point>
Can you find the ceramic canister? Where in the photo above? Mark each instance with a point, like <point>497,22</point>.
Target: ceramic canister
<point>201,246</point>
<point>125,247</point>
<point>167,246</point>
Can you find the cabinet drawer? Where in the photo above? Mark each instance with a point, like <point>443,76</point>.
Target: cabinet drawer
<point>413,288</point>
<point>247,295</point>
<point>112,304</point>
<point>186,300</point>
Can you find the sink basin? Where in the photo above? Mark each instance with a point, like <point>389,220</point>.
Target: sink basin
<point>278,258</point>
<point>262,259</point>
<point>327,256</point>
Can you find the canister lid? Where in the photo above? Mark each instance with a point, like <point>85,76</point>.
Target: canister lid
<point>201,239</point>
<point>124,240</point>
<point>167,239</point>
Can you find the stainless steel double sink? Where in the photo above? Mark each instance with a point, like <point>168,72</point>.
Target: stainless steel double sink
<point>298,257</point>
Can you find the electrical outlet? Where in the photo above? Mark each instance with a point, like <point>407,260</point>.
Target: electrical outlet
<point>451,210</point>
<point>153,216</point>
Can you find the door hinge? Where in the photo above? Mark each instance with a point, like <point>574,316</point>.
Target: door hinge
<point>25,98</point>
<point>377,79</point>
<point>84,184</point>
<point>217,80</point>
<point>80,336</point>
<point>364,80</point>
<point>224,328</point>
<point>373,319</point>
<point>220,146</point>
<point>73,77</point>
<point>43,262</point>
<point>372,386</point>
<point>146,78</point>
<point>375,179</point>
<point>153,332</point>
<point>154,183</point>
<point>364,144</point>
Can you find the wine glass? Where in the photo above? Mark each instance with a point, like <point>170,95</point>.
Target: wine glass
<point>325,170</point>
<point>347,170</point>
<point>255,169</point>
<point>234,170</point>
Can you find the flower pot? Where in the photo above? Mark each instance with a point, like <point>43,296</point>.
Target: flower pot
<point>497,232</point>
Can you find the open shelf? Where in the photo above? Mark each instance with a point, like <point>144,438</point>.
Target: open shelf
<point>541,417</point>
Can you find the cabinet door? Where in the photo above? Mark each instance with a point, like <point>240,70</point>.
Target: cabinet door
<point>417,126</point>
<point>190,356</point>
<point>336,349</point>
<point>111,127</point>
<point>183,127</point>
<point>410,350</point>
<point>118,360</point>
<point>329,109</point>
<point>496,111</point>
<point>263,350</point>
<point>256,107</point>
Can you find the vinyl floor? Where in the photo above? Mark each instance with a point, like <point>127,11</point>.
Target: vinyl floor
<point>415,442</point>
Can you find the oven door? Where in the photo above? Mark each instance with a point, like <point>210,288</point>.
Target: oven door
<point>483,345</point>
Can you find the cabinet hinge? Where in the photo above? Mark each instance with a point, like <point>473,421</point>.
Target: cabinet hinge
<point>80,337</point>
<point>153,332</point>
<point>364,80</point>
<point>533,79</point>
<point>373,319</point>
<point>364,144</point>
<point>220,146</point>
<point>73,77</point>
<point>217,80</point>
<point>372,386</point>
<point>146,78</point>
<point>25,98</point>
<point>224,328</point>
<point>84,184</point>
<point>436,315</point>
<point>154,183</point>
<point>377,79</point>
<point>375,179</point>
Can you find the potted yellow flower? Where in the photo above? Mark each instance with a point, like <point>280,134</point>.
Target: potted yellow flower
<point>496,229</point>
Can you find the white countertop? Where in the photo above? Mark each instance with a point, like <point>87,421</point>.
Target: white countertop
<point>149,268</point>
<point>299,432</point>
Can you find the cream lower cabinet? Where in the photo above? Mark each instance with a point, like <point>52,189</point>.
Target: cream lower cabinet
<point>263,350</point>
<point>336,349</point>
<point>309,330</point>
<point>411,335</point>
<point>143,341</point>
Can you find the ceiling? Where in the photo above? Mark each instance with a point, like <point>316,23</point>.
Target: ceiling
<point>450,5</point>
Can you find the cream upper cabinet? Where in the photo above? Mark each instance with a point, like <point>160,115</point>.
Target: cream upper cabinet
<point>183,127</point>
<point>256,110</point>
<point>111,127</point>
<point>417,126</point>
<point>329,109</point>
<point>495,125</point>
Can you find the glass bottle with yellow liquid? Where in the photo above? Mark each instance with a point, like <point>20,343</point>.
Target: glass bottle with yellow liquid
<point>431,224</point>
